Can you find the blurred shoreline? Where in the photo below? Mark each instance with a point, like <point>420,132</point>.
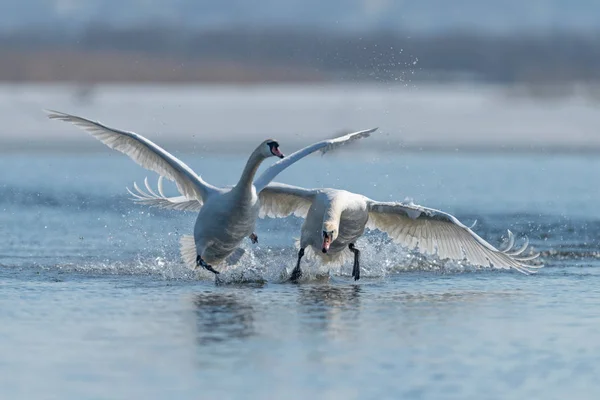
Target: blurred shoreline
<point>233,118</point>
<point>226,88</point>
<point>150,53</point>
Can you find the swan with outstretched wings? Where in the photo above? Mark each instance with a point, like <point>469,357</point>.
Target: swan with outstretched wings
<point>225,215</point>
<point>334,219</point>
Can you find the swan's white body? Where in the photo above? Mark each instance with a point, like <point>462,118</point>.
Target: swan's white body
<point>223,223</point>
<point>347,214</point>
<point>344,209</point>
<point>226,215</point>
<point>419,228</point>
<point>415,227</point>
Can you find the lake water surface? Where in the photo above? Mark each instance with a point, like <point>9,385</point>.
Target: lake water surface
<point>95,303</point>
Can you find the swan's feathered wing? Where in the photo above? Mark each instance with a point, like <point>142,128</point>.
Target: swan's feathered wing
<point>153,199</point>
<point>324,146</point>
<point>145,153</point>
<point>279,200</point>
<point>436,232</point>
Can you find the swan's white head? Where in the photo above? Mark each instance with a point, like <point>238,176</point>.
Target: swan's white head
<point>270,148</point>
<point>330,233</point>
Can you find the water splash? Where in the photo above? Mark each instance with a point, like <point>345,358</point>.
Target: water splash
<point>380,257</point>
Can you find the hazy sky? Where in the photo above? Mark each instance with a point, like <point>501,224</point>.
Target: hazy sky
<point>416,15</point>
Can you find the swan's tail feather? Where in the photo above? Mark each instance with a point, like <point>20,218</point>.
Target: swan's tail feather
<point>188,251</point>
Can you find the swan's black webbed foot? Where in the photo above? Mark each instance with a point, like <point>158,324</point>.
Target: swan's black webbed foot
<point>297,272</point>
<point>201,263</point>
<point>296,275</point>
<point>253,237</point>
<point>356,268</point>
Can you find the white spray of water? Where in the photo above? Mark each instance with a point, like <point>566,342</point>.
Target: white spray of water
<point>379,258</point>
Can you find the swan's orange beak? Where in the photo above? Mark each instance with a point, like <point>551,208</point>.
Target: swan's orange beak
<point>326,242</point>
<point>275,151</point>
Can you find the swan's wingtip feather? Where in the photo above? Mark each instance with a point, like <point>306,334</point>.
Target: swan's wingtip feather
<point>342,140</point>
<point>53,114</point>
<point>160,186</point>
<point>147,184</point>
<point>361,134</point>
<point>527,258</point>
<point>510,242</point>
<point>136,197</point>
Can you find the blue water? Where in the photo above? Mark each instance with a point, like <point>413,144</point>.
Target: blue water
<point>94,302</point>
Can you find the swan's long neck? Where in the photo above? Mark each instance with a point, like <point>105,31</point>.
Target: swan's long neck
<point>332,215</point>
<point>247,178</point>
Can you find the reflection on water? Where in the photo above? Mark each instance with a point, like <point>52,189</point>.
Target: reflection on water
<point>329,309</point>
<point>222,317</point>
<point>330,296</point>
<point>449,299</point>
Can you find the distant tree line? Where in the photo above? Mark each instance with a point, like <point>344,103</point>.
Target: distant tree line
<point>167,53</point>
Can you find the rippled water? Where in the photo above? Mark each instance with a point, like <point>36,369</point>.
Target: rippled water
<point>94,302</point>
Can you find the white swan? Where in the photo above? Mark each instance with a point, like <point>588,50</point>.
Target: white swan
<point>335,219</point>
<point>226,215</point>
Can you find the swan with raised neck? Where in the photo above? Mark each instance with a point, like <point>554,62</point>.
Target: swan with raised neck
<point>266,149</point>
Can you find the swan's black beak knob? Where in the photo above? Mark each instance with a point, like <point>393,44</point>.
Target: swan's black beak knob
<point>274,146</point>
